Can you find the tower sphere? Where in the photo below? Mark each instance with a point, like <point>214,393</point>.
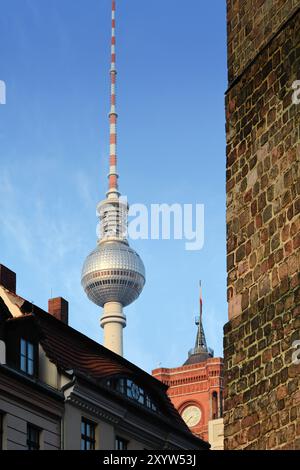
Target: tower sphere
<point>113,272</point>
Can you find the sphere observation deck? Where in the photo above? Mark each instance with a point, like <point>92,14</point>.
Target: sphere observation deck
<point>113,272</point>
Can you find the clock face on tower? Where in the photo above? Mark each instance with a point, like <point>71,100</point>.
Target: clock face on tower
<point>191,415</point>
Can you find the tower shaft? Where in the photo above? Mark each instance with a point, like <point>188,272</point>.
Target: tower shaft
<point>113,321</point>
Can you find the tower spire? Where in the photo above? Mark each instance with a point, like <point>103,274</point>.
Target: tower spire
<point>113,117</point>
<point>200,339</point>
<point>200,352</point>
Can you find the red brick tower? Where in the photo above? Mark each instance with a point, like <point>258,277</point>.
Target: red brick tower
<point>196,387</point>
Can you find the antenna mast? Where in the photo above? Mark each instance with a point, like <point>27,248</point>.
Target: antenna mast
<point>113,175</point>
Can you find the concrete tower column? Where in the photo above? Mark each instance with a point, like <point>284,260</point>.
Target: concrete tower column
<point>113,321</point>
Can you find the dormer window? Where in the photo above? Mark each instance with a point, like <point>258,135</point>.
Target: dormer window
<point>27,357</point>
<point>132,390</point>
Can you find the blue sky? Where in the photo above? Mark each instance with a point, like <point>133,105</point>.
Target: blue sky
<point>171,147</point>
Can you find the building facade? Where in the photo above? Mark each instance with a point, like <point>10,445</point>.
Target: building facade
<point>262,380</point>
<point>61,390</point>
<point>196,391</point>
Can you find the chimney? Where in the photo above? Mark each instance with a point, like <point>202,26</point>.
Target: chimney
<point>59,308</point>
<point>8,278</point>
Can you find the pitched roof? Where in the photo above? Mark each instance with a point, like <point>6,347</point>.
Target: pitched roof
<point>71,350</point>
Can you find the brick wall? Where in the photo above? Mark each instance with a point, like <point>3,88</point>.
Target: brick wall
<point>250,25</point>
<point>194,384</point>
<point>262,385</point>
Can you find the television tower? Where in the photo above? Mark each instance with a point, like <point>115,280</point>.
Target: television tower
<point>113,275</point>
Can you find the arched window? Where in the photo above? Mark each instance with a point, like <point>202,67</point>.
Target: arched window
<point>221,404</point>
<point>214,405</point>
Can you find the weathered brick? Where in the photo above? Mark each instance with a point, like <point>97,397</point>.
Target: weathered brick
<point>241,253</point>
<point>253,432</point>
<point>263,157</point>
<point>267,213</point>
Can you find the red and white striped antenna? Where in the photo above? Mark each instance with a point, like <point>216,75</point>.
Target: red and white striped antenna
<point>113,175</point>
<point>113,211</point>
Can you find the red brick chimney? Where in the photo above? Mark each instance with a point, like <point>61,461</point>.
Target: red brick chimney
<point>8,278</point>
<point>59,308</point>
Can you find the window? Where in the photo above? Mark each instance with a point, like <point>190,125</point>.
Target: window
<point>87,435</point>
<point>221,404</point>
<point>214,405</point>
<point>33,437</point>
<point>133,391</point>
<point>27,357</point>
<point>121,444</point>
